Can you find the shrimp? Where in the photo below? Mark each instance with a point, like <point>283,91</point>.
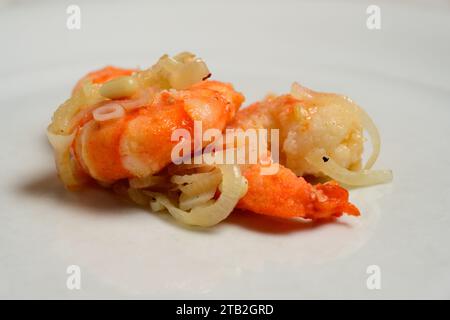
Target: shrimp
<point>308,120</point>
<point>287,196</point>
<point>139,143</point>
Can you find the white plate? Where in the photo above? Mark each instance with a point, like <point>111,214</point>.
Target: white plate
<point>399,74</point>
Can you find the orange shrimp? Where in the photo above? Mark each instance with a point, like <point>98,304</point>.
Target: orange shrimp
<point>320,121</point>
<point>286,195</point>
<point>139,143</point>
<point>307,121</point>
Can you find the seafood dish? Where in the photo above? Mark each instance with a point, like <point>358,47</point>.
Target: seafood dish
<point>173,140</point>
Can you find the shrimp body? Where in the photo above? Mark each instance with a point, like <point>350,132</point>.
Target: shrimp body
<point>306,122</point>
<point>139,143</point>
<point>285,195</point>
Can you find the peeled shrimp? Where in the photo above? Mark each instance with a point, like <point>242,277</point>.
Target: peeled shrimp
<point>286,195</point>
<point>308,121</point>
<point>139,144</point>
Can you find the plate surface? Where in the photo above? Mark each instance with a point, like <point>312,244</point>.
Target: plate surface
<point>399,74</point>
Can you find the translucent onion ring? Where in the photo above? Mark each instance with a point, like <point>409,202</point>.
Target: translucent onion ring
<point>300,92</point>
<point>233,187</point>
<point>61,146</point>
<point>108,112</point>
<point>372,130</point>
<point>144,98</point>
<point>321,161</point>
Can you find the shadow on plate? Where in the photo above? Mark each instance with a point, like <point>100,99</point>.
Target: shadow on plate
<point>93,200</point>
<point>267,224</point>
<point>97,200</point>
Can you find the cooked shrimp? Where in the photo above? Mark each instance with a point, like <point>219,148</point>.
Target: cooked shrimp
<point>139,143</point>
<point>286,195</point>
<point>308,122</point>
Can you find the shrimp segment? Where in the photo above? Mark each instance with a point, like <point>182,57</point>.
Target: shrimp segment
<point>311,121</point>
<point>286,195</point>
<point>306,121</point>
<point>139,144</point>
<point>146,144</point>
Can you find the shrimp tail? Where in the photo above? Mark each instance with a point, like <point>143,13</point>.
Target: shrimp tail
<point>285,195</point>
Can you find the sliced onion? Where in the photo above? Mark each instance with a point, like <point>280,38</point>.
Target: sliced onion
<point>188,74</point>
<point>61,146</point>
<point>368,124</point>
<point>200,186</point>
<point>84,158</point>
<point>198,183</point>
<point>233,184</point>
<point>372,130</point>
<point>301,92</point>
<point>178,72</point>
<point>60,142</point>
<point>330,167</point>
<point>86,97</point>
<point>187,202</point>
<point>120,87</point>
<point>145,98</point>
<point>184,57</point>
<point>108,112</point>
<point>156,206</point>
